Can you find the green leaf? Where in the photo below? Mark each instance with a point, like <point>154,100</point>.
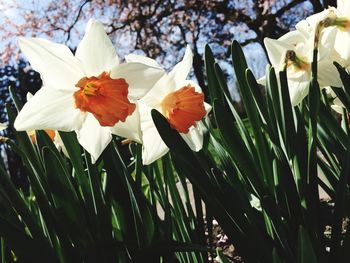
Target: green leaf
<point>339,213</point>
<point>68,207</point>
<point>240,66</point>
<point>21,206</point>
<point>214,193</point>
<point>306,253</point>
<point>237,149</point>
<point>213,86</point>
<point>345,77</point>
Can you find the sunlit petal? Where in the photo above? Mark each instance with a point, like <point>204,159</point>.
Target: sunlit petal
<point>56,64</point>
<point>140,77</point>
<point>298,88</point>
<point>96,50</point>
<point>183,68</point>
<point>194,137</point>
<point>129,129</point>
<point>93,137</point>
<point>142,59</point>
<point>276,51</point>
<point>50,109</point>
<point>153,146</point>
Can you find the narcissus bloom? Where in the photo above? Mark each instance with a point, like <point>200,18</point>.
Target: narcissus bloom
<point>294,51</point>
<point>181,101</point>
<point>338,20</point>
<point>90,93</point>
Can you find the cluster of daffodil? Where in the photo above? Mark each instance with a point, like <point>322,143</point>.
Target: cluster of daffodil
<point>329,31</point>
<point>94,95</point>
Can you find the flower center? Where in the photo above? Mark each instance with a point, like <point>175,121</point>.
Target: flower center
<point>342,22</point>
<point>90,89</point>
<point>297,63</point>
<point>104,97</point>
<point>183,108</point>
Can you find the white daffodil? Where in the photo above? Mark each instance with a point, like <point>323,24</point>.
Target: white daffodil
<point>337,19</point>
<point>88,93</point>
<point>294,51</point>
<point>181,101</point>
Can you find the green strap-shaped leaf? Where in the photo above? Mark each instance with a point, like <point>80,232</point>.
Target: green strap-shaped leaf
<point>67,205</point>
<point>240,67</point>
<point>306,253</point>
<point>339,213</point>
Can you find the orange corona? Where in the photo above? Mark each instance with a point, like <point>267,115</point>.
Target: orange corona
<point>104,97</point>
<point>183,108</point>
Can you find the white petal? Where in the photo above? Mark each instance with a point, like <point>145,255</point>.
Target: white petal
<point>3,126</point>
<point>186,82</point>
<point>276,51</point>
<point>142,59</point>
<point>292,37</point>
<point>328,74</point>
<point>326,45</point>
<point>207,107</point>
<point>194,137</point>
<point>343,6</point>
<point>93,137</point>
<point>153,146</point>
<point>140,77</point>
<point>313,20</point>
<point>50,109</point>
<point>304,28</point>
<point>96,50</point>
<point>341,44</point>
<point>183,68</point>
<point>161,89</point>
<point>298,88</point>
<point>129,129</point>
<point>56,64</point>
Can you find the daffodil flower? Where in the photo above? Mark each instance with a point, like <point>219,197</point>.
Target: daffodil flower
<point>338,20</point>
<point>294,51</point>
<point>90,93</point>
<point>181,101</point>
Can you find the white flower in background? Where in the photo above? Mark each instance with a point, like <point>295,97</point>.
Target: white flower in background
<point>294,51</point>
<point>339,21</point>
<point>90,93</point>
<point>181,101</point>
